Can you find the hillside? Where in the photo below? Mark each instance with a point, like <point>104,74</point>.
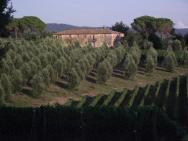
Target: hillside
<point>54,27</point>
<point>181,31</point>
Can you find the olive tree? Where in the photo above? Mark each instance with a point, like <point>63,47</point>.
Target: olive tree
<point>130,67</point>
<point>170,61</point>
<point>7,86</point>
<point>2,95</point>
<point>74,79</point>
<point>17,80</point>
<point>102,73</point>
<point>150,64</point>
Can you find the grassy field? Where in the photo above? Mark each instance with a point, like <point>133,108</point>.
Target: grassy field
<point>56,94</point>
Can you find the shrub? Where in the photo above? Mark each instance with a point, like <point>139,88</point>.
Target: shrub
<point>176,45</point>
<point>37,85</point>
<point>45,76</point>
<point>52,74</point>
<point>2,96</point>
<point>102,73</point>
<point>130,67</point>
<point>74,79</point>
<point>150,64</point>
<point>135,52</point>
<point>170,62</point>
<point>185,57</point>
<point>7,86</point>
<point>17,80</point>
<point>58,67</point>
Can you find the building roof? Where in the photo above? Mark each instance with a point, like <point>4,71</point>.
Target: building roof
<point>87,31</point>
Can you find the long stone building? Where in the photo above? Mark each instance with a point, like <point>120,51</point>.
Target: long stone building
<point>96,37</point>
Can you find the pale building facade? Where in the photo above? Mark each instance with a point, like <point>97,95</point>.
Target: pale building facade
<point>96,37</point>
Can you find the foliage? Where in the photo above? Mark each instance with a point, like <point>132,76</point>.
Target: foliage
<point>7,86</point>
<point>2,95</point>
<point>6,12</point>
<point>150,64</point>
<point>120,27</point>
<point>147,25</point>
<point>170,61</point>
<point>130,67</point>
<point>28,27</point>
<point>17,80</point>
<point>176,45</point>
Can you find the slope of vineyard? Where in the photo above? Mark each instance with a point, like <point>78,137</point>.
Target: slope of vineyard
<point>169,95</point>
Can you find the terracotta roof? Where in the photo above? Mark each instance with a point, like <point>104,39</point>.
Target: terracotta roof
<point>87,31</point>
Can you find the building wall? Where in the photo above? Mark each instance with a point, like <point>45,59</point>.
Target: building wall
<point>96,40</point>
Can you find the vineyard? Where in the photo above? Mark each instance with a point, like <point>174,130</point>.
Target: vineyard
<point>169,95</point>
<point>31,67</point>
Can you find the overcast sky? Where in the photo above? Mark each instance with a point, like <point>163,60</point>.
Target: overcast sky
<point>102,12</point>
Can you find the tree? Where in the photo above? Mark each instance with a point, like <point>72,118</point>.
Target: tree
<point>120,27</point>
<point>37,85</point>
<point>135,52</point>
<point>7,86</point>
<point>74,79</point>
<point>45,76</point>
<point>58,67</point>
<point>185,57</point>
<point>29,27</point>
<point>17,80</point>
<point>147,25</point>
<point>6,12</point>
<point>102,73</point>
<point>130,67</point>
<point>170,61</point>
<point>150,65</point>
<point>2,95</point>
<point>176,45</point>
<point>186,38</point>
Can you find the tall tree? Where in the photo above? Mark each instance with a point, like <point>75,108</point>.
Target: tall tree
<point>120,27</point>
<point>6,12</point>
<point>147,25</point>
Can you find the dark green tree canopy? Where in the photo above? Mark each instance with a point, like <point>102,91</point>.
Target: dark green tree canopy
<point>148,25</point>
<point>6,12</point>
<point>120,27</point>
<point>28,24</point>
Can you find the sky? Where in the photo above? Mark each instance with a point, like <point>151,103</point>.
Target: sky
<point>102,12</point>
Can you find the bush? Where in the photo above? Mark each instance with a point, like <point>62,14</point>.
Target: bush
<point>176,45</point>
<point>102,73</point>
<point>2,96</point>
<point>58,67</point>
<point>150,64</point>
<point>74,79</point>
<point>17,80</point>
<point>136,53</point>
<point>185,57</point>
<point>130,67</point>
<point>170,62</point>
<point>7,86</point>
<point>37,85</point>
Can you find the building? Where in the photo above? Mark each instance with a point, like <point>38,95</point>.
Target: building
<point>97,37</point>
